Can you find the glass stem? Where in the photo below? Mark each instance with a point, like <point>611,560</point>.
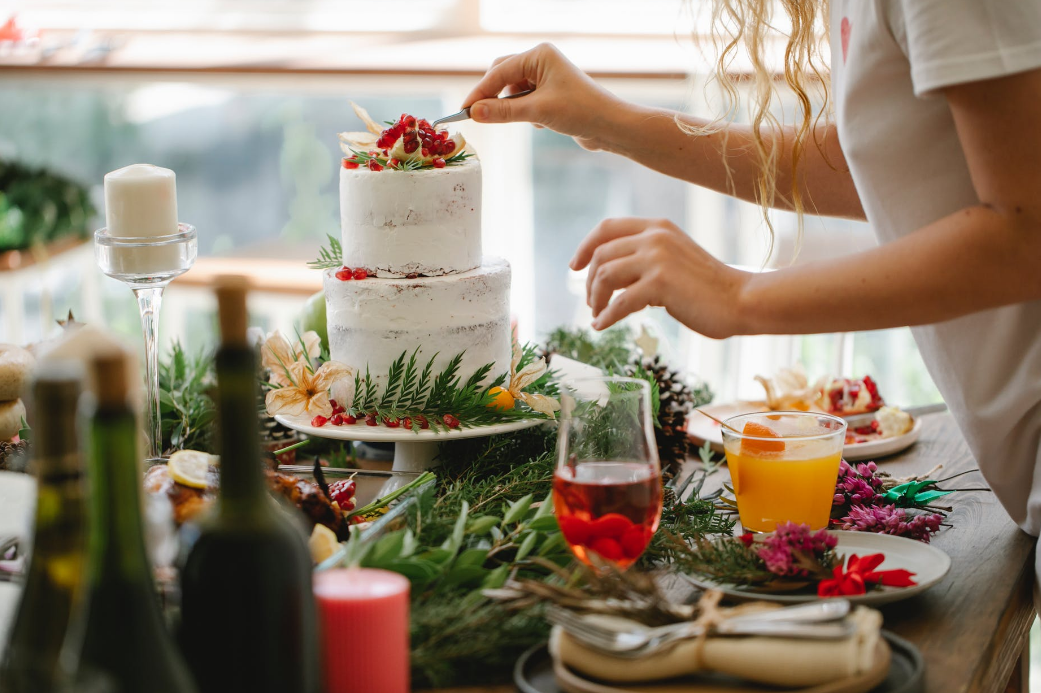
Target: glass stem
<point>149,300</point>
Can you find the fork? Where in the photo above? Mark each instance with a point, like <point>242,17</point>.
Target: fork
<point>814,621</point>
<point>465,113</point>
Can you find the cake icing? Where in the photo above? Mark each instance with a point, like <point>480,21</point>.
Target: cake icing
<point>372,321</point>
<point>422,222</point>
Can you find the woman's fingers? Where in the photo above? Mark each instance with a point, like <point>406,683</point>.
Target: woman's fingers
<point>636,297</point>
<point>610,277</point>
<point>612,250</point>
<point>606,230</point>
<point>513,70</point>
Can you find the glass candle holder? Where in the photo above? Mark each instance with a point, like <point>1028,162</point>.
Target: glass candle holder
<point>147,264</point>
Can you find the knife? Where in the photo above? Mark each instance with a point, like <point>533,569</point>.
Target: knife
<point>864,419</point>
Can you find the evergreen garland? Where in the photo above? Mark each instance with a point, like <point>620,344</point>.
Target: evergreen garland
<point>40,206</point>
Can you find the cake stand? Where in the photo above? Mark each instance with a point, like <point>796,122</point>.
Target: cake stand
<point>414,451</point>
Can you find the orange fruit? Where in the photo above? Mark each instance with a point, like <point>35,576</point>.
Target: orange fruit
<point>503,400</point>
<point>752,445</point>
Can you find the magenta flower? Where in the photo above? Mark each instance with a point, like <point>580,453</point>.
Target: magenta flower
<point>889,519</point>
<point>777,549</point>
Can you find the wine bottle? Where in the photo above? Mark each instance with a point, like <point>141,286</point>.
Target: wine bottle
<point>248,619</point>
<point>122,637</point>
<point>54,580</point>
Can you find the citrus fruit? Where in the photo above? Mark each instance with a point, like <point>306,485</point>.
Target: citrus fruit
<point>189,467</point>
<point>754,445</point>
<point>503,400</point>
<point>323,543</point>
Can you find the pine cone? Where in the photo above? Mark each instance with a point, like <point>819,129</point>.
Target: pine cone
<point>668,497</point>
<point>676,401</point>
<point>14,457</point>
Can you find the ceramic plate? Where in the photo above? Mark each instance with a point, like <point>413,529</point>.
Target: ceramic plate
<point>701,428</point>
<point>928,563</point>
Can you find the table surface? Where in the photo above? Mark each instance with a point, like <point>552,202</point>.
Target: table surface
<point>972,627</point>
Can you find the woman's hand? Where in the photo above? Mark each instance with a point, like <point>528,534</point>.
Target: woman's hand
<point>657,264</point>
<point>565,99</point>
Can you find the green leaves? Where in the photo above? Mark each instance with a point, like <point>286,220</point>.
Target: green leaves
<point>330,257</point>
<point>185,403</point>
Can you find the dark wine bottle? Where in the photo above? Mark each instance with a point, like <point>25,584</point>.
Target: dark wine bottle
<point>248,618</point>
<point>54,581</point>
<point>122,638</point>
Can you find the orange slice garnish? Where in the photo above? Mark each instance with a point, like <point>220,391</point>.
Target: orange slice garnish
<point>754,445</point>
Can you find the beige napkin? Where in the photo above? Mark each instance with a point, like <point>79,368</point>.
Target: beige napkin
<point>782,662</point>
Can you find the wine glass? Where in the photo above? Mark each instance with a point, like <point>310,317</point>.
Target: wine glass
<point>607,493</point>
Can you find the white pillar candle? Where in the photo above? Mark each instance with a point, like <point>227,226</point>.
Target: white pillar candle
<point>141,202</point>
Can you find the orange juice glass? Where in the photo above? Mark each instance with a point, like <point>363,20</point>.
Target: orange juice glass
<point>784,466</point>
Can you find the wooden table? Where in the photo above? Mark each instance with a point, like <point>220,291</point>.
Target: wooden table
<point>973,627</point>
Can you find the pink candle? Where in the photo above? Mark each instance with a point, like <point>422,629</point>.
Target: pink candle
<point>363,615</point>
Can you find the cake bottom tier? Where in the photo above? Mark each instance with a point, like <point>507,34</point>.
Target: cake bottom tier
<point>373,321</point>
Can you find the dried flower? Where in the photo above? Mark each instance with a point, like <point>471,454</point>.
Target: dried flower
<point>528,375</point>
<point>307,391</point>
<point>889,519</point>
<point>278,354</point>
<point>780,550</point>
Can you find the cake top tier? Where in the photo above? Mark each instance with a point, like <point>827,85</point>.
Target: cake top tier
<point>411,204</point>
<point>407,144</point>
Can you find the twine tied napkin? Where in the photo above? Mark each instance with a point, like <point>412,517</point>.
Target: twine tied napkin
<point>782,662</point>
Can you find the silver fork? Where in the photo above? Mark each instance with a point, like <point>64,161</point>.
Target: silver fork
<point>819,620</point>
<point>465,113</point>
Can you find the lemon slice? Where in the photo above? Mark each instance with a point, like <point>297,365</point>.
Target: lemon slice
<point>190,467</point>
<point>323,543</point>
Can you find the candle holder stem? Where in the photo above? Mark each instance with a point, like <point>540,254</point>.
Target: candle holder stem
<point>149,300</point>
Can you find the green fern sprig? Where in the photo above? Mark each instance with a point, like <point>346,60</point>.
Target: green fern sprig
<point>328,257</point>
<point>392,391</point>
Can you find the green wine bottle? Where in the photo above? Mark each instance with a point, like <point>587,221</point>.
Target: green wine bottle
<point>248,618</point>
<point>55,577</point>
<point>122,636</point>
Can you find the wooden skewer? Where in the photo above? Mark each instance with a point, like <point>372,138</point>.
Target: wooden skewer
<point>721,423</point>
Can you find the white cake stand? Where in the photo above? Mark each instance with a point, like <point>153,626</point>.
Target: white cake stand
<point>414,451</point>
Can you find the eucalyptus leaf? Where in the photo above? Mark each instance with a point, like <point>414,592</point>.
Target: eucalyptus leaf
<point>388,548</point>
<point>526,546</point>
<point>517,509</point>
<point>496,578</point>
<point>552,543</point>
<point>545,507</point>
<point>543,524</point>
<point>475,557</point>
<point>482,525</point>
<point>415,569</point>
<point>465,575</point>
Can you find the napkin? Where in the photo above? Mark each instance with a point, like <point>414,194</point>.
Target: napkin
<point>784,662</point>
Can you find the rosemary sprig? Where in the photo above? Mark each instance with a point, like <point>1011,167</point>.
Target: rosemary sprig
<point>328,257</point>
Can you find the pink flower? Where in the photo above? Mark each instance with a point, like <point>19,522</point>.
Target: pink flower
<point>889,519</point>
<point>777,549</point>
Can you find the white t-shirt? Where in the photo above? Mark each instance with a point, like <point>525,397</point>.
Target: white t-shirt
<point>889,58</point>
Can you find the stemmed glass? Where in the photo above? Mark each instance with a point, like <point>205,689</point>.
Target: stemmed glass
<point>607,493</point>
<point>147,264</point>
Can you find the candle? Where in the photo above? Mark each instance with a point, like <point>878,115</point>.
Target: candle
<point>140,201</point>
<point>363,616</point>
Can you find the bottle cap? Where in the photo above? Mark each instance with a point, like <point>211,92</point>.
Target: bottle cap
<point>109,371</point>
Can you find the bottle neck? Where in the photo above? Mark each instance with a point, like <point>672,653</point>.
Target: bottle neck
<point>117,546</point>
<point>242,481</point>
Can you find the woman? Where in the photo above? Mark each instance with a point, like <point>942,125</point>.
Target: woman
<point>936,143</point>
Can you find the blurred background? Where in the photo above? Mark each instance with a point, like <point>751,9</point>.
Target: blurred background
<point>243,99</point>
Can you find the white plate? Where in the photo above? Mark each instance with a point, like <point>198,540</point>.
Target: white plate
<point>383,434</point>
<point>928,563</point>
<point>882,447</point>
<point>701,428</point>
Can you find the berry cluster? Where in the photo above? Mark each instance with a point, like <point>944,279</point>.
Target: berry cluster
<point>612,536</point>
<point>418,135</point>
<point>340,417</point>
<point>346,273</point>
<point>342,492</point>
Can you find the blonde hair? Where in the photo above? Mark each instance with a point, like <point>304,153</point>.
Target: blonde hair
<point>748,25</point>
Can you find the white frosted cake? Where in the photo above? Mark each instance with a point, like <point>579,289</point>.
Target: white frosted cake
<point>414,236</point>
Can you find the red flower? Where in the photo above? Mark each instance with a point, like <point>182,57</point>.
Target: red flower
<point>859,573</point>
<point>747,539</point>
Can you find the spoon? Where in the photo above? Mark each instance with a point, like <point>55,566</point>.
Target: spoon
<point>465,113</point>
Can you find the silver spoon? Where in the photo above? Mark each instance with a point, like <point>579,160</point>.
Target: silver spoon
<point>465,113</point>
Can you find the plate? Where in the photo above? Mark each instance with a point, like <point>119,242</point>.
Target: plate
<point>383,434</point>
<point>701,429</point>
<point>928,563</point>
<point>882,447</point>
<point>534,672</point>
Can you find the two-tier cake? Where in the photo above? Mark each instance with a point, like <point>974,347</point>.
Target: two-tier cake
<point>413,274</point>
